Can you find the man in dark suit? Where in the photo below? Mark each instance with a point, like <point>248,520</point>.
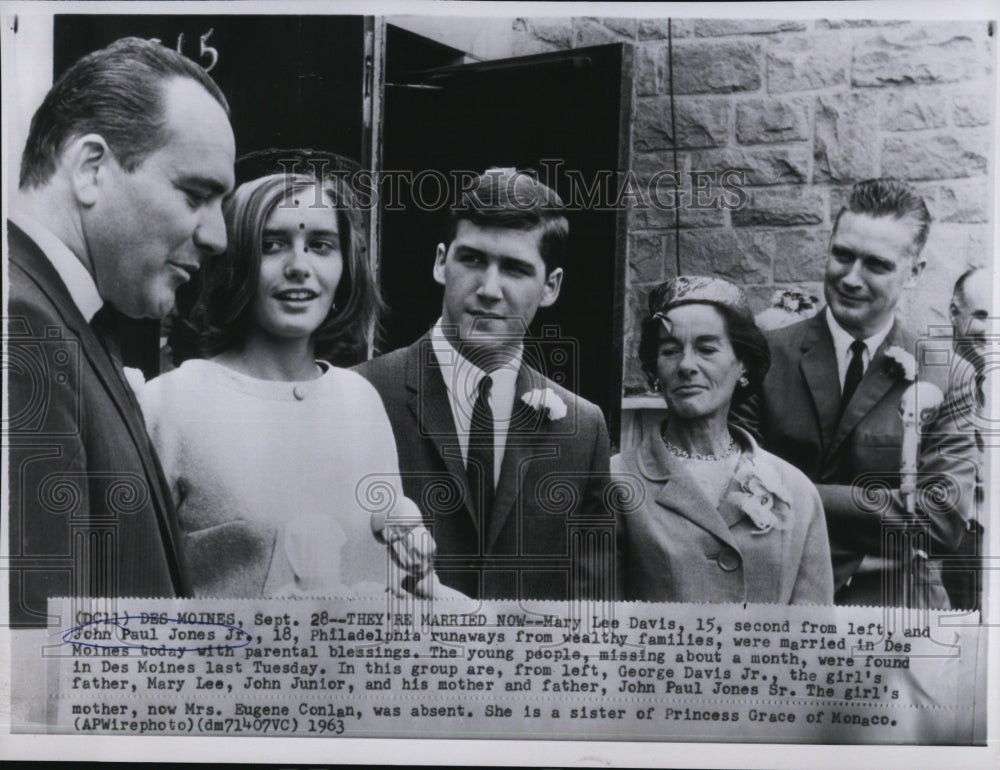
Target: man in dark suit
<point>125,167</point>
<point>830,405</point>
<point>509,469</point>
<point>969,311</point>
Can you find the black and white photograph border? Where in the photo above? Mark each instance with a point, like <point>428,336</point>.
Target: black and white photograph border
<point>742,131</point>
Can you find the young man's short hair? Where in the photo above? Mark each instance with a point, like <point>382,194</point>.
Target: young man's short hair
<point>515,200</point>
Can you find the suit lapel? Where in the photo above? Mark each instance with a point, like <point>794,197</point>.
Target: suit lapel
<point>877,381</point>
<point>526,428</point>
<point>819,369</point>
<point>428,400</point>
<point>25,253</point>
<point>681,494</point>
<point>93,349</point>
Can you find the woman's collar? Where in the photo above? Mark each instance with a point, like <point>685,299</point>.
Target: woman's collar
<point>657,464</point>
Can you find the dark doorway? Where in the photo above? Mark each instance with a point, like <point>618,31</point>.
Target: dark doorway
<point>560,114</point>
<point>291,81</point>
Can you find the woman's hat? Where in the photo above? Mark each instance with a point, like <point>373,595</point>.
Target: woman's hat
<point>687,289</point>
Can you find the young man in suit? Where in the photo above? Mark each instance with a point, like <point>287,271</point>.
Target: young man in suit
<point>509,469</point>
<point>830,406</point>
<point>122,179</point>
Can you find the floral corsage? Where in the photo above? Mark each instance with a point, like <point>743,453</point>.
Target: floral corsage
<point>758,490</point>
<point>904,361</point>
<point>548,400</point>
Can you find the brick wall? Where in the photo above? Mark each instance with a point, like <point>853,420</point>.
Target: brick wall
<point>804,108</point>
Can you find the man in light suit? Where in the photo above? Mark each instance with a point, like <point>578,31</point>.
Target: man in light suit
<point>122,178</point>
<point>830,406</point>
<point>509,469</point>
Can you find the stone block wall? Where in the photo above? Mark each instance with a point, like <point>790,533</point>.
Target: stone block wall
<point>804,109</point>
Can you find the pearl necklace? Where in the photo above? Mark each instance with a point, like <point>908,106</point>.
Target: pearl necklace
<point>677,451</point>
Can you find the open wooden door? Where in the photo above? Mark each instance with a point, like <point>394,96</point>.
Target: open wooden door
<point>563,114</point>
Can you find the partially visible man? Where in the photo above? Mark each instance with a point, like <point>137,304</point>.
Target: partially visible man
<point>508,467</point>
<point>122,179</point>
<point>969,312</point>
<point>830,406</point>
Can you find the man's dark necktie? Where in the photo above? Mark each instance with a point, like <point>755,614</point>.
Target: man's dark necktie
<point>480,463</point>
<point>106,329</point>
<point>855,371</point>
<point>105,326</point>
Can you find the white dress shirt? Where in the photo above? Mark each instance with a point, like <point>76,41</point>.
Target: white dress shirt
<point>842,341</point>
<point>461,380</point>
<point>79,281</point>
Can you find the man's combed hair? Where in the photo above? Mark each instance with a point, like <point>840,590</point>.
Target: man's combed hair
<point>890,198</point>
<point>117,93</point>
<point>515,200</point>
<point>959,291</point>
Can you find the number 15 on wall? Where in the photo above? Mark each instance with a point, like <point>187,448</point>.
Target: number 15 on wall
<point>204,50</point>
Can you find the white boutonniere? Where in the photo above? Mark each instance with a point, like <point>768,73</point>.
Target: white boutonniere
<point>546,400</point>
<point>759,488</point>
<point>905,361</point>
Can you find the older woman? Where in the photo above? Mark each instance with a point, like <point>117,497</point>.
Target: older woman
<point>275,457</point>
<point>716,518</point>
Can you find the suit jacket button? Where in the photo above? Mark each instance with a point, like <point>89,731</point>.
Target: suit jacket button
<point>729,559</point>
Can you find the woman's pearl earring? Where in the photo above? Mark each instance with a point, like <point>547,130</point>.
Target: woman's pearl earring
<point>743,381</point>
